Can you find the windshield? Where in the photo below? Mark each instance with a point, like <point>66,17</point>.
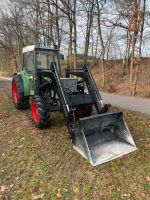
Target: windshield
<point>45,58</point>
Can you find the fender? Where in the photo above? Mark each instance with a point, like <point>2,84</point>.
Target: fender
<point>25,85</point>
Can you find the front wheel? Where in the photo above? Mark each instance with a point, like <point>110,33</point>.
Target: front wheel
<point>40,112</point>
<point>84,111</point>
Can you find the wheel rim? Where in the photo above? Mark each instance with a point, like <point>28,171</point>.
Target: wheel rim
<point>15,92</point>
<point>79,110</point>
<point>35,112</point>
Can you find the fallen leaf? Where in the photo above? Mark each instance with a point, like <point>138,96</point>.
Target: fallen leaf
<point>147,145</point>
<point>17,178</point>
<point>21,190</point>
<point>126,195</point>
<point>33,146</point>
<point>18,129</point>
<point>65,190</point>
<point>37,196</point>
<point>77,190</point>
<point>147,178</point>
<point>30,190</point>
<point>143,194</point>
<point>12,185</point>
<point>3,188</point>
<point>126,157</point>
<point>33,161</point>
<point>146,156</point>
<point>21,146</point>
<point>22,139</point>
<point>58,195</point>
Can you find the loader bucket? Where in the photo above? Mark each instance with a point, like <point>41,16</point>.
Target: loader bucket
<point>103,137</point>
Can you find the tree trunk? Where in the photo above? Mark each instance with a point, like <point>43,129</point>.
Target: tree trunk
<point>102,44</point>
<point>70,42</point>
<point>88,30</point>
<point>37,22</point>
<point>140,50</point>
<point>135,28</point>
<point>75,36</point>
<point>57,25</point>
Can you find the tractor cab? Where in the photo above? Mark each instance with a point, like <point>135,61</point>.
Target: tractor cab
<point>36,65</point>
<point>37,61</point>
<point>39,57</point>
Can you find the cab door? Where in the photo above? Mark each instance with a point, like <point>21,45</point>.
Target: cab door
<point>29,63</point>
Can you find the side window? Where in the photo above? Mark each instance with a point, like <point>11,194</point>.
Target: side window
<point>28,59</point>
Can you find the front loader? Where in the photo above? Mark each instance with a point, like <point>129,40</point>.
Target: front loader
<point>96,134</point>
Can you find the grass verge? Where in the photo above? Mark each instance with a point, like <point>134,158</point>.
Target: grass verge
<point>41,164</point>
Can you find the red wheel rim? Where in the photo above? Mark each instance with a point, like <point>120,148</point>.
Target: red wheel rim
<point>79,110</point>
<point>35,112</point>
<point>15,93</point>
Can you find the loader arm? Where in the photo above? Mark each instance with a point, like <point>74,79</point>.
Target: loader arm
<point>92,88</point>
<point>66,106</point>
<point>62,95</point>
<point>93,96</point>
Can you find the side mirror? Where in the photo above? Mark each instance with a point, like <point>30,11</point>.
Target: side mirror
<point>61,56</point>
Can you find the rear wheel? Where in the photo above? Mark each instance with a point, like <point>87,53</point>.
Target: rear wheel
<point>20,101</point>
<point>40,112</point>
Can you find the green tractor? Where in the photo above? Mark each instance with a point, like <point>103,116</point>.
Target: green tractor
<point>96,134</point>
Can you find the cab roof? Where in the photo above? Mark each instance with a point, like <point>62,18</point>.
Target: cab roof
<point>33,47</point>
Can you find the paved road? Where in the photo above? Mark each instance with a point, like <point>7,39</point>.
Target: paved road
<point>130,103</point>
<point>136,104</point>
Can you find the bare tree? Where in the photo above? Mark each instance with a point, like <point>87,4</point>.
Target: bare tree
<point>89,7</point>
<point>141,21</point>
<point>101,39</point>
<point>110,29</point>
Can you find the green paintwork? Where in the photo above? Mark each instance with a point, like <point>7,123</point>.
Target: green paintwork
<point>72,78</point>
<point>27,76</point>
<point>28,83</point>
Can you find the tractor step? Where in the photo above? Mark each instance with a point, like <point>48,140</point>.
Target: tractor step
<point>54,108</point>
